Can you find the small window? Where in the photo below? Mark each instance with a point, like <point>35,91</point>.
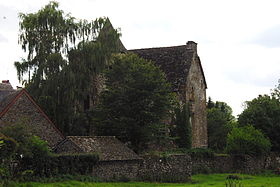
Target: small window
<point>86,103</point>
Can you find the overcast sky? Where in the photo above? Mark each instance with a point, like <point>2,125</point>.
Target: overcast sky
<point>238,40</point>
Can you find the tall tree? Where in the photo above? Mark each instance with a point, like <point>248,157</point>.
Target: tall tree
<point>183,131</point>
<point>263,113</point>
<point>65,60</point>
<point>137,98</point>
<point>220,122</point>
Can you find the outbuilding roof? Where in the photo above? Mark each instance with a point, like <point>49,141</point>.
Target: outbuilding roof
<point>174,61</point>
<point>107,147</point>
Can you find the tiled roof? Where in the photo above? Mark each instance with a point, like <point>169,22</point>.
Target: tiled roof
<point>6,97</point>
<point>106,30</point>
<point>174,61</point>
<point>5,86</point>
<point>5,89</point>
<point>107,147</point>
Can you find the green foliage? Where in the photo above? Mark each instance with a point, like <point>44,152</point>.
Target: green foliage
<point>65,59</point>
<point>234,183</point>
<point>247,140</point>
<point>183,127</point>
<point>8,147</point>
<point>263,113</point>
<point>200,153</point>
<point>137,98</point>
<point>164,178</point>
<point>20,144</point>
<point>220,121</point>
<point>54,165</point>
<point>28,145</point>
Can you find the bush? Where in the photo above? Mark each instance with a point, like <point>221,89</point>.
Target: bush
<point>247,140</point>
<point>200,153</point>
<point>56,164</point>
<point>8,147</point>
<point>183,127</point>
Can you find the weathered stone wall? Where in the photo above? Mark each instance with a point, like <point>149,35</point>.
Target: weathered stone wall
<point>215,164</point>
<point>23,111</point>
<point>183,70</point>
<point>175,168</point>
<point>237,163</point>
<point>196,97</point>
<point>117,170</point>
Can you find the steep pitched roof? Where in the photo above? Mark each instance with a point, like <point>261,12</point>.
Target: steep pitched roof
<point>107,28</point>
<point>174,61</point>
<point>6,99</point>
<point>9,99</point>
<point>5,89</point>
<point>108,147</point>
<point>6,86</point>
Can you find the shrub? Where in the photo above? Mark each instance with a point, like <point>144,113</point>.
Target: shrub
<point>183,127</point>
<point>247,140</point>
<point>56,164</point>
<point>8,147</point>
<point>200,153</point>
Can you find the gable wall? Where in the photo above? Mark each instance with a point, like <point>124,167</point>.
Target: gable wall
<point>196,96</point>
<point>24,111</point>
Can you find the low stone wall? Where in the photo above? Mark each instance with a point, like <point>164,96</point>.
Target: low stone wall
<point>175,168</point>
<point>122,170</point>
<point>215,164</point>
<point>236,163</point>
<point>179,168</point>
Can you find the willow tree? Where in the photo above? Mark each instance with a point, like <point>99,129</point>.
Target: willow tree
<point>65,57</point>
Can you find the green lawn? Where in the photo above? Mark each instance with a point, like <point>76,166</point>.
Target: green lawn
<point>216,180</point>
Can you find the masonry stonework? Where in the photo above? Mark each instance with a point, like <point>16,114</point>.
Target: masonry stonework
<point>174,168</point>
<point>117,170</point>
<point>183,70</point>
<point>24,111</point>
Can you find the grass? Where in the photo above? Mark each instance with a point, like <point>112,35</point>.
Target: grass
<point>215,180</point>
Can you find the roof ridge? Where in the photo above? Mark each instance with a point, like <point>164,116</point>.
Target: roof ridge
<point>10,103</point>
<point>158,47</point>
<point>44,114</point>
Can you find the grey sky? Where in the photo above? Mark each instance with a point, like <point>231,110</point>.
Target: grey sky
<point>238,41</point>
<point>269,37</point>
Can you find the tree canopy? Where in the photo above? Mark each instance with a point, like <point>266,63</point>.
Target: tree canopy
<point>220,122</point>
<point>183,131</point>
<point>136,100</point>
<point>247,140</point>
<point>64,63</point>
<point>263,113</point>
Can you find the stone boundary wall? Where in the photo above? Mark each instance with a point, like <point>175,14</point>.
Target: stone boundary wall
<point>175,168</point>
<point>118,170</point>
<point>236,163</point>
<point>215,164</point>
<point>179,168</point>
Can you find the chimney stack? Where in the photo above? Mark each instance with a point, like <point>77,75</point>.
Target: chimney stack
<point>191,45</point>
<point>6,81</point>
<point>6,86</point>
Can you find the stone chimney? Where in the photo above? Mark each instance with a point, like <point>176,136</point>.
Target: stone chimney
<point>191,45</point>
<point>6,85</point>
<point>6,81</point>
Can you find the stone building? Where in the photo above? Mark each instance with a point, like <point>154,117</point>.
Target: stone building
<point>183,70</point>
<point>18,107</point>
<point>116,160</point>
